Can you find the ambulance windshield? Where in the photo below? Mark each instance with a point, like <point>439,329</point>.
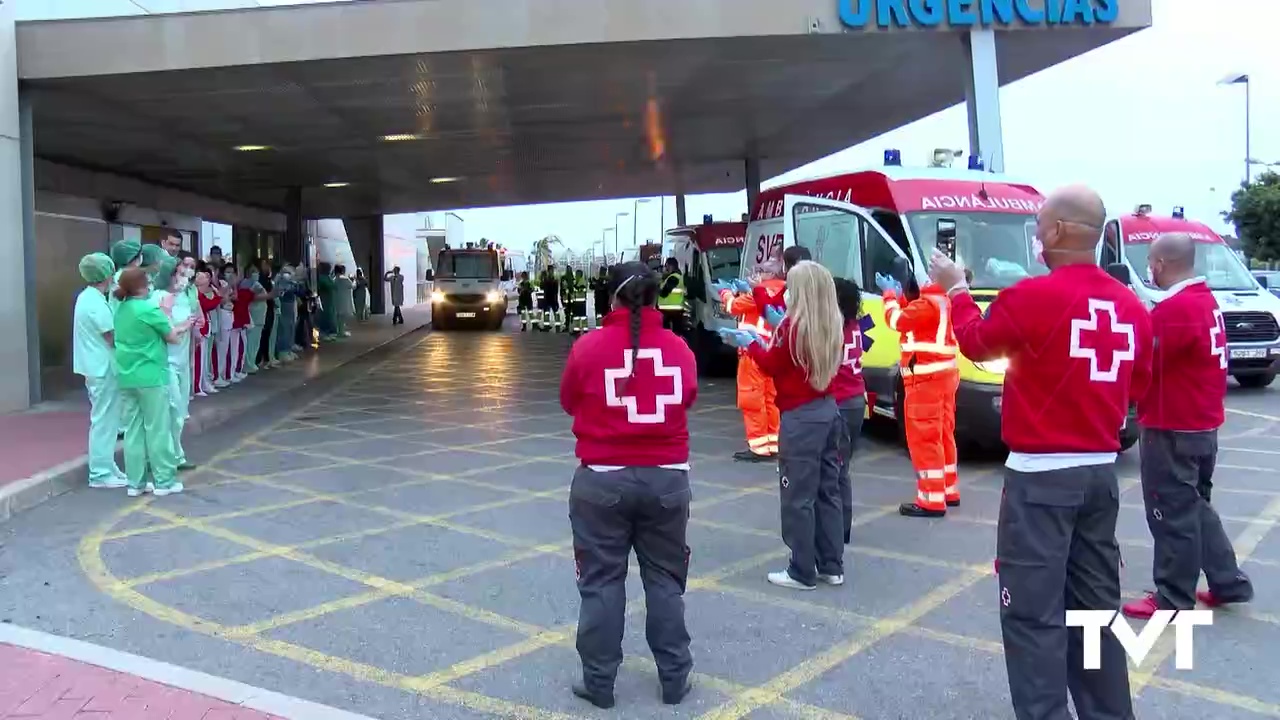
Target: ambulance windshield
<point>995,246</point>
<point>723,262</point>
<point>467,265</point>
<point>1217,263</point>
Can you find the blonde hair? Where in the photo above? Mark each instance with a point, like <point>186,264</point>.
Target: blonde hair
<point>816,330</point>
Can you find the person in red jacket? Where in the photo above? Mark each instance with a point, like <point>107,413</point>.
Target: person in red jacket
<point>1078,345</point>
<point>629,387</point>
<point>1179,417</point>
<point>849,389</point>
<point>803,357</point>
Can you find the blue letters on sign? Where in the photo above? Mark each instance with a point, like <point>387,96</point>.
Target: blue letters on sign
<point>859,14</point>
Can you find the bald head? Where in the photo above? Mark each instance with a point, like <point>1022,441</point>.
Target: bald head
<point>1172,259</point>
<point>1082,213</point>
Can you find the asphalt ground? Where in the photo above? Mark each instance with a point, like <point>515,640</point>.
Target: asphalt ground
<point>393,540</point>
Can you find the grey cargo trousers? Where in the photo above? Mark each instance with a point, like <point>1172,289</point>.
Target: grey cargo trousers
<point>612,512</point>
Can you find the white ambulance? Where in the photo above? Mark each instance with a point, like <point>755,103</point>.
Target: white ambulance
<point>1250,312</point>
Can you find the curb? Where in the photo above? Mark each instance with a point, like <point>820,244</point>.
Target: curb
<point>47,484</point>
<point>230,691</point>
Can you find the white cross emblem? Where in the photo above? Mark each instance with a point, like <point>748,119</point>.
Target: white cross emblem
<point>1218,339</point>
<point>852,357</point>
<point>1115,328</point>
<point>1005,598</point>
<point>615,375</point>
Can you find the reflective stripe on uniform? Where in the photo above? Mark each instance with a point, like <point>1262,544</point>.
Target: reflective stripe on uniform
<point>930,368</point>
<point>758,442</point>
<point>895,313</point>
<point>930,498</point>
<point>928,347</point>
<point>951,469</point>
<point>931,474</point>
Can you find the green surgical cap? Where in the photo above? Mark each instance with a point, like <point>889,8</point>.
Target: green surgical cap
<point>164,273</point>
<point>154,255</point>
<point>96,267</point>
<point>124,252</point>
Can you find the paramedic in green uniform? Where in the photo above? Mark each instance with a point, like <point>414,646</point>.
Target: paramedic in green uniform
<point>125,254</point>
<point>152,256</point>
<point>142,335</point>
<point>671,299</point>
<point>174,302</point>
<point>93,358</point>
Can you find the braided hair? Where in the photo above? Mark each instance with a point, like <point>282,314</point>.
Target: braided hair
<point>633,287</point>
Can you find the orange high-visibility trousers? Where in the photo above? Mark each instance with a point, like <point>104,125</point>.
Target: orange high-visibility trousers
<point>930,420</point>
<point>756,399</point>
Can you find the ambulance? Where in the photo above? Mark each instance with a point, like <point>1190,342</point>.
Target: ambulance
<point>468,288</point>
<point>857,224</point>
<point>1250,313</point>
<point>707,253</point>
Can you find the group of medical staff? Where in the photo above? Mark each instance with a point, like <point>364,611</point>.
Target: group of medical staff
<point>803,400</point>
<point>154,327</point>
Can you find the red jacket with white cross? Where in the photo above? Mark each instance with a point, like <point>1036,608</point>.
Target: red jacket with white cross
<point>1189,369</point>
<point>1079,350</point>
<point>630,405</point>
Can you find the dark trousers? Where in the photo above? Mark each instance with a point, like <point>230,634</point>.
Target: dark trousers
<point>397,317</point>
<point>264,345</point>
<point>611,513</point>
<point>1177,480</point>
<point>673,320</point>
<point>809,443</point>
<point>1057,551</point>
<point>851,414</point>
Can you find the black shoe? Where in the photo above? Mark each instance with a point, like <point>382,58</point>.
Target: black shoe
<point>748,456</point>
<point>953,503</point>
<point>604,702</point>
<point>677,695</point>
<point>914,510</point>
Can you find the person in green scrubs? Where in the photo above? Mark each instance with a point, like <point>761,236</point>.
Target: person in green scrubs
<point>142,336</point>
<point>125,254</point>
<point>175,303</point>
<point>93,358</point>
<point>257,317</point>
<point>152,256</point>
<point>325,289</point>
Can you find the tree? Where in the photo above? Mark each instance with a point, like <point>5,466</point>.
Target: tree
<point>1255,212</point>
<point>543,253</point>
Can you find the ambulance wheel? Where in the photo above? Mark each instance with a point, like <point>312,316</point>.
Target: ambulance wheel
<point>1255,381</point>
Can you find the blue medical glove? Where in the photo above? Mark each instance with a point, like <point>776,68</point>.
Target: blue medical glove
<point>742,286</point>
<point>720,286</point>
<point>737,338</point>
<point>773,316</point>
<point>887,283</point>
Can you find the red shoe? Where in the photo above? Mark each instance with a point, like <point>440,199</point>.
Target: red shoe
<point>1207,599</point>
<point>1141,609</point>
<point>996,564</point>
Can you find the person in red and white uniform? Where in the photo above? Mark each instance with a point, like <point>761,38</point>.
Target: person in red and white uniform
<point>849,389</point>
<point>803,358</point>
<point>1078,345</point>
<point>629,387</point>
<point>1179,417</point>
<point>755,389</point>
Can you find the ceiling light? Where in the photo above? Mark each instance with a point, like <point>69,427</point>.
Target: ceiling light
<point>252,148</point>
<point>401,137</point>
<point>441,180</point>
<point>336,184</point>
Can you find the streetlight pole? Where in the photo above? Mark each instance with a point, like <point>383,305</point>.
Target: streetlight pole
<point>616,218</point>
<point>635,221</point>
<point>604,243</point>
<point>1243,79</point>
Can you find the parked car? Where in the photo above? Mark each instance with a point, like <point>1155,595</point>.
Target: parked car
<point>1269,279</point>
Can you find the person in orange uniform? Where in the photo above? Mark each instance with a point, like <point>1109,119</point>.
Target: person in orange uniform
<point>756,393</point>
<point>930,378</point>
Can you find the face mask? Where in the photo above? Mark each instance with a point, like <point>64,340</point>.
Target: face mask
<point>1151,277</point>
<point>181,283</point>
<point>1037,249</point>
<point>286,276</point>
<point>189,272</point>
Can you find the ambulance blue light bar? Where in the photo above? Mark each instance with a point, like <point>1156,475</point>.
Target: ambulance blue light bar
<point>975,163</point>
<point>1179,212</point>
<point>893,157</point>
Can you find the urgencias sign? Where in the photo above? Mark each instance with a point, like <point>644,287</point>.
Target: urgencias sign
<point>858,14</point>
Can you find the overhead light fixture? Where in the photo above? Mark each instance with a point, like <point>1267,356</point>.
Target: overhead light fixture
<point>336,184</point>
<point>401,137</point>
<point>442,180</point>
<point>251,148</point>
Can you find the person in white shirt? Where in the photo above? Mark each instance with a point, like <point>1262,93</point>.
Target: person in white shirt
<point>93,358</point>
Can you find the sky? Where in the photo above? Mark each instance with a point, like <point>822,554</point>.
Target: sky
<point>1143,120</point>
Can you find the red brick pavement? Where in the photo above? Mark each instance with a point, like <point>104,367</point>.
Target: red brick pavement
<point>37,686</point>
<point>37,441</point>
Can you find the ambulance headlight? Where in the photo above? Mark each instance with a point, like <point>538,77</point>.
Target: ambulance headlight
<point>995,367</point>
<point>437,296</point>
<point>492,296</point>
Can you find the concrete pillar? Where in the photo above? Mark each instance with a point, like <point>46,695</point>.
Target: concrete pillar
<point>982,98</point>
<point>752,167</point>
<point>681,220</point>
<point>364,234</point>
<point>293,228</point>
<point>19,387</point>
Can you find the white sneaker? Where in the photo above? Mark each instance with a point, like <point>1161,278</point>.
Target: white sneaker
<point>784,579</point>
<point>114,483</point>
<point>202,394</point>
<point>135,492</point>
<point>836,580</point>
<point>173,489</point>
<point>221,384</point>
